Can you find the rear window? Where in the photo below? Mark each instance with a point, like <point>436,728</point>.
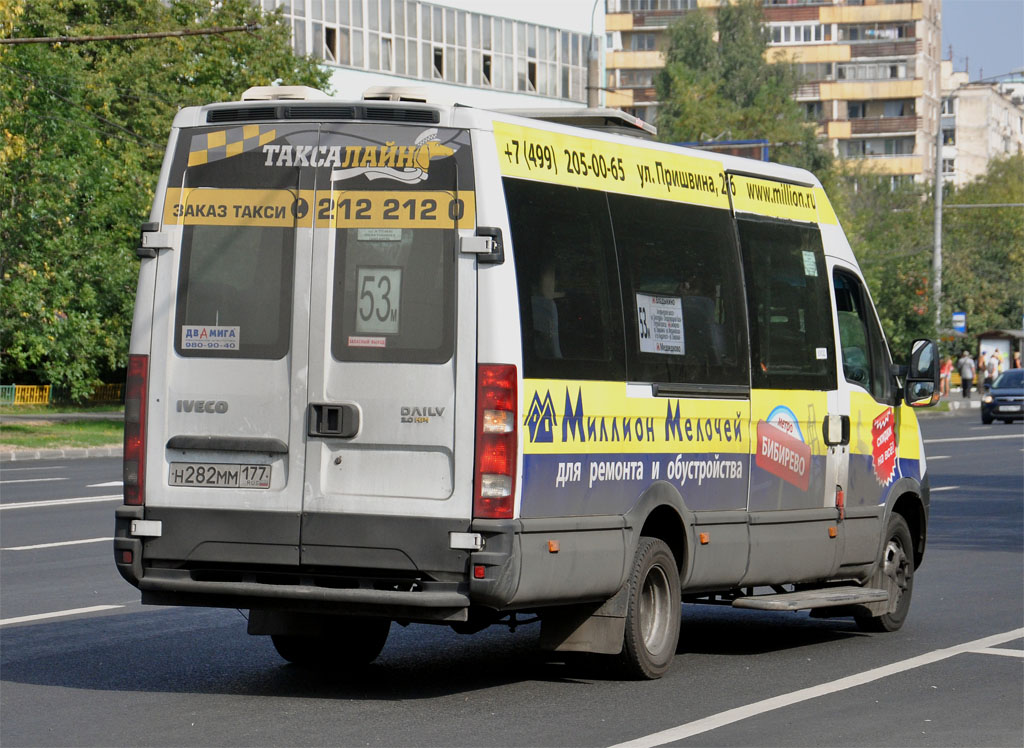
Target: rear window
<point>393,295</point>
<point>235,292</point>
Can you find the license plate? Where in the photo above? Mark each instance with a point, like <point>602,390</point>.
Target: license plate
<point>1009,409</point>
<point>219,475</point>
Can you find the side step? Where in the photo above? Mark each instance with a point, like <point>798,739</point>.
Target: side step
<point>829,597</point>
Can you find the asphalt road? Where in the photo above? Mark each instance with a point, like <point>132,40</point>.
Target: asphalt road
<point>82,663</point>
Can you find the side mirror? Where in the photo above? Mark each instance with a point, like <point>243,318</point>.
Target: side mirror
<point>921,389</point>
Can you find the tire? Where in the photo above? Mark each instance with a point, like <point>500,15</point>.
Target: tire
<point>653,612</point>
<point>986,417</point>
<point>354,642</point>
<point>895,573</point>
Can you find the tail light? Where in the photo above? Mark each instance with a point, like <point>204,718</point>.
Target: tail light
<point>497,441</point>
<point>135,430</point>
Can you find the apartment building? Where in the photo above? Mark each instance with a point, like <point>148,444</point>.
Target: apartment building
<point>503,62</point>
<point>870,70</point>
<point>981,121</point>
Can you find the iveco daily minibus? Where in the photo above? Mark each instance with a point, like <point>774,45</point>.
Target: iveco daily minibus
<point>393,361</point>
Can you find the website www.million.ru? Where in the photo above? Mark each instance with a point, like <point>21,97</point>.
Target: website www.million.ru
<point>781,194</point>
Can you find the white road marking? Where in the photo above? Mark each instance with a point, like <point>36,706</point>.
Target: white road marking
<point>944,488</point>
<point>958,439</point>
<point>29,480</point>
<point>108,484</point>
<point>58,614</point>
<point>56,545</point>
<point>932,458</point>
<point>12,468</point>
<point>778,702</point>
<point>61,502</point>
<point>997,651</point>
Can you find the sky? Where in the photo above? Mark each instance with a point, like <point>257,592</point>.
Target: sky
<point>987,35</point>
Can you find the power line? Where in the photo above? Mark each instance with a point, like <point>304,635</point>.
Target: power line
<point>985,205</point>
<point>127,37</point>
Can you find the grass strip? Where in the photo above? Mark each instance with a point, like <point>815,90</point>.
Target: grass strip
<point>44,435</point>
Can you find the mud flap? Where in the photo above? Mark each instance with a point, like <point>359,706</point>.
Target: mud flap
<point>598,629</point>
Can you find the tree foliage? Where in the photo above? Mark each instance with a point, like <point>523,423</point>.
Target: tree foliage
<point>84,128</point>
<point>892,234</point>
<point>983,250</point>
<point>717,84</point>
<point>890,231</point>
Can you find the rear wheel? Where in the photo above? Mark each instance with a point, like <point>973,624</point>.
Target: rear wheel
<point>354,642</point>
<point>653,611</point>
<point>895,574</point>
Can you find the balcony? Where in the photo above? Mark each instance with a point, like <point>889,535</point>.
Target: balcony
<point>884,125</point>
<point>790,13</point>
<point>808,91</point>
<point>885,165</point>
<point>645,95</point>
<point>885,49</point>
<point>657,19</point>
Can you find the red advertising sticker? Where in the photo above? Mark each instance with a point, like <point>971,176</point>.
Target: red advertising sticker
<point>783,455</point>
<point>883,446</point>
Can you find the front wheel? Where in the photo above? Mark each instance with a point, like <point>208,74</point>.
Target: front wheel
<point>986,417</point>
<point>352,643</point>
<point>653,611</point>
<point>895,574</point>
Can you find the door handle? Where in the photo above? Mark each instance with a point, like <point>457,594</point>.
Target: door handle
<point>836,430</point>
<point>339,421</point>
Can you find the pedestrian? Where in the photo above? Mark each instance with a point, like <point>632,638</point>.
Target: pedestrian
<point>991,370</point>
<point>946,373</point>
<point>980,368</point>
<point>965,365</point>
<point>1016,359</point>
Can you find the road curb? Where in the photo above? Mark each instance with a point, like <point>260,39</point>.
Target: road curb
<point>22,455</point>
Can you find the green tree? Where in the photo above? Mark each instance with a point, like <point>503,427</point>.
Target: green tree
<point>718,84</point>
<point>983,250</point>
<point>84,128</point>
<point>891,232</point>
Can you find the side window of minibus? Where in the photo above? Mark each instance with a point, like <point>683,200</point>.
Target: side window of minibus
<point>792,343</point>
<point>864,353</point>
<point>569,304</point>
<point>681,281</point>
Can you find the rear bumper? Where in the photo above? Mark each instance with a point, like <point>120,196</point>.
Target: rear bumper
<point>399,567</point>
<point>441,602</point>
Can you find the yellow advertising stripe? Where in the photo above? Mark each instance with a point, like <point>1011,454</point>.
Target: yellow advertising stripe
<point>826,214</point>
<point>420,209</point>
<point>775,199</point>
<point>574,417</point>
<point>233,207</point>
<point>326,209</point>
<point>575,161</point>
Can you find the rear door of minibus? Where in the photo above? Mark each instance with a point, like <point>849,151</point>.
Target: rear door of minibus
<point>391,341</point>
<point>228,353</point>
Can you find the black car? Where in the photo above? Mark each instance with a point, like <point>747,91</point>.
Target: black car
<point>1006,398</point>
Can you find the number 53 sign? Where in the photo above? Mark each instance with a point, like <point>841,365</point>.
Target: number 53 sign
<point>379,293</point>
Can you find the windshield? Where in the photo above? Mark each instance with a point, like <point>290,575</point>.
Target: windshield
<point>1012,378</point>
